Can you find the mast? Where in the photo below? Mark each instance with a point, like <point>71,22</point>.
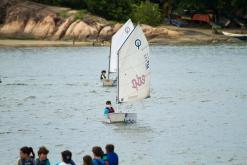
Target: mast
<point>109,63</point>
<point>117,98</point>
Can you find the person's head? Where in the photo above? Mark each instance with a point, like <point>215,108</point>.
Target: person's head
<point>66,156</point>
<point>108,103</point>
<point>97,151</point>
<point>43,152</point>
<point>87,160</point>
<point>109,148</point>
<point>26,153</point>
<point>103,72</point>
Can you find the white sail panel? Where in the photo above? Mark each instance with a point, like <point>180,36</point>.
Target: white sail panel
<point>117,41</point>
<point>134,71</point>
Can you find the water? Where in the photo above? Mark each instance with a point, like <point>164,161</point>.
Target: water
<point>196,115</point>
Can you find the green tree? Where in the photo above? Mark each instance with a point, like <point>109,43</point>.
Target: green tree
<point>111,9</point>
<point>146,12</point>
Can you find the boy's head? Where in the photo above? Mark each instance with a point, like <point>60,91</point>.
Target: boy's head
<point>97,151</point>
<point>108,102</point>
<point>87,160</point>
<point>103,72</point>
<point>109,148</point>
<point>66,156</point>
<point>43,152</point>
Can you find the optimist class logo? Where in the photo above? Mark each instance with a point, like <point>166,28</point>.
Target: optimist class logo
<point>138,43</point>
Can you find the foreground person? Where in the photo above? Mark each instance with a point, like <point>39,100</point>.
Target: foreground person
<point>87,160</point>
<point>108,109</point>
<point>26,156</point>
<point>66,158</point>
<point>42,153</point>
<point>97,156</point>
<point>112,157</point>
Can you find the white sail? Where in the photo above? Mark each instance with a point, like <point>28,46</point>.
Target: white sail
<point>134,71</point>
<point>117,41</point>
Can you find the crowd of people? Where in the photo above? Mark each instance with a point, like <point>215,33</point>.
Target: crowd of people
<point>27,157</point>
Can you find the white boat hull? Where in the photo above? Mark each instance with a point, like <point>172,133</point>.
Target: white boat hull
<point>239,36</point>
<point>122,118</point>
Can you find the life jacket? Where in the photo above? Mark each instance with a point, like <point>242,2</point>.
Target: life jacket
<point>41,162</point>
<point>102,77</point>
<point>111,110</point>
<point>26,162</point>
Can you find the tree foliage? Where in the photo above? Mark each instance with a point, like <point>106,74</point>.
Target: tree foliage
<point>147,13</point>
<point>110,9</point>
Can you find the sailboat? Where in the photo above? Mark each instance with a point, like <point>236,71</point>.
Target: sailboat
<point>133,74</point>
<point>239,36</point>
<point>117,41</point>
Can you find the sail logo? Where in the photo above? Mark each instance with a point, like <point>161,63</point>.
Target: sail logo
<point>138,43</point>
<point>138,81</point>
<point>146,56</point>
<point>127,29</point>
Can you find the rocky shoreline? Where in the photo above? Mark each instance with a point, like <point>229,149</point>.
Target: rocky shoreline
<point>34,21</point>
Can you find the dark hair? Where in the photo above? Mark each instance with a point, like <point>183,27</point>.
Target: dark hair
<point>87,159</point>
<point>97,151</point>
<point>109,148</point>
<point>43,150</point>
<point>67,156</point>
<point>28,151</point>
<point>103,71</point>
<point>108,102</point>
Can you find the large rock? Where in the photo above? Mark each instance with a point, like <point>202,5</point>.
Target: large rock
<point>30,26</point>
<point>4,5</point>
<point>116,27</point>
<point>80,30</point>
<point>85,31</point>
<point>98,26</point>
<point>173,33</point>
<point>28,18</point>
<point>14,27</point>
<point>45,28</point>
<point>69,32</point>
<point>106,33</point>
<point>63,28</point>
<point>157,31</point>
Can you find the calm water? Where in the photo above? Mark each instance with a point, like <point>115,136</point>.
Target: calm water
<point>196,115</point>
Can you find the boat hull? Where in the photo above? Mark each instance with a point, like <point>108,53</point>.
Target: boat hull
<point>122,118</point>
<point>238,36</point>
<point>109,83</point>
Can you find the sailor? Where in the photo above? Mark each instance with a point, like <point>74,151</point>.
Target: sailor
<point>103,75</point>
<point>108,109</point>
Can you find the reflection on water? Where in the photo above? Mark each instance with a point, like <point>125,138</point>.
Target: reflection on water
<point>196,114</point>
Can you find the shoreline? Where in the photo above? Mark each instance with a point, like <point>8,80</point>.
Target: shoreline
<point>21,28</point>
<point>45,43</point>
<point>176,41</point>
